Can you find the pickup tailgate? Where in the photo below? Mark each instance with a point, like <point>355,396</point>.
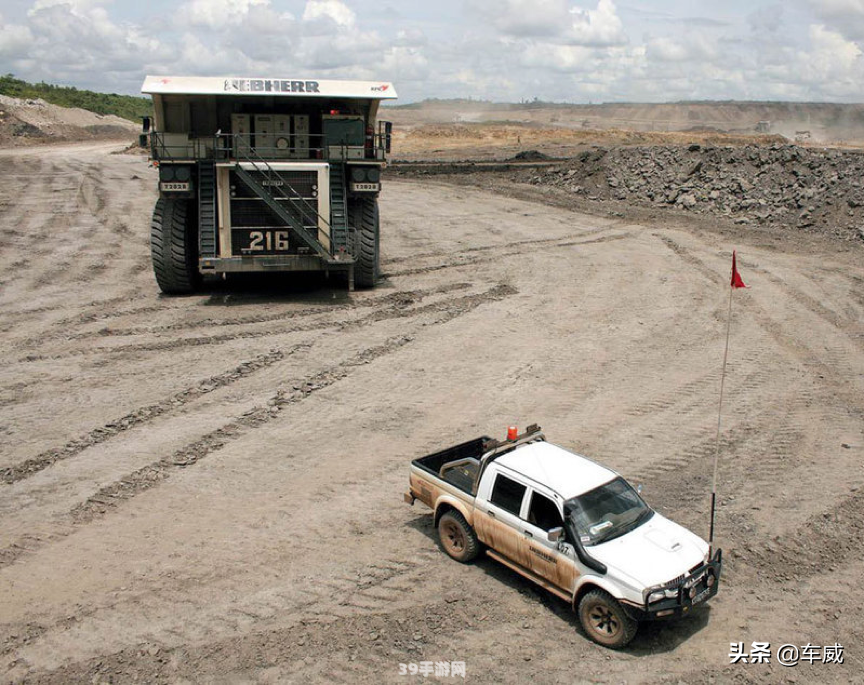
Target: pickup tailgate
<point>450,473</point>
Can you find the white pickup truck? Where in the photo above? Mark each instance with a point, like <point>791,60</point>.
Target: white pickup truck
<point>572,526</point>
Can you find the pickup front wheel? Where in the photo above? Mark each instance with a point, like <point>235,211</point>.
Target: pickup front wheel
<point>605,620</point>
<point>458,538</point>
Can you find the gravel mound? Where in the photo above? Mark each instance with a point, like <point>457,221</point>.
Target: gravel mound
<point>25,122</point>
<point>530,156</point>
<point>812,190</point>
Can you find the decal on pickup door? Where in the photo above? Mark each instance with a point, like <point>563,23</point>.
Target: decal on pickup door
<point>544,555</point>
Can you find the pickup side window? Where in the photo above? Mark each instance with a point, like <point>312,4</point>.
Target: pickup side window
<point>507,494</point>
<point>544,513</point>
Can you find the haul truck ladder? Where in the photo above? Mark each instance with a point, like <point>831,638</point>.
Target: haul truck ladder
<point>273,180</point>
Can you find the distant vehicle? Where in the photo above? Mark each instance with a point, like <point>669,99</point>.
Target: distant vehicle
<point>763,127</point>
<point>266,175</point>
<point>570,525</point>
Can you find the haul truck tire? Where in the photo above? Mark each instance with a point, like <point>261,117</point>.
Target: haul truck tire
<point>605,621</point>
<point>458,538</point>
<point>173,247</point>
<point>366,270</point>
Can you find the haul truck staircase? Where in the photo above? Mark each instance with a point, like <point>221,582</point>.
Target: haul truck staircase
<point>207,209</point>
<point>339,231</point>
<point>293,222</point>
<point>304,210</point>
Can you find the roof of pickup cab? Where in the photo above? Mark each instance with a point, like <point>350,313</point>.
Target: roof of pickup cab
<point>566,473</point>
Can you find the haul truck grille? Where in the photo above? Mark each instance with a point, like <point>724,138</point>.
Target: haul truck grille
<point>256,229</point>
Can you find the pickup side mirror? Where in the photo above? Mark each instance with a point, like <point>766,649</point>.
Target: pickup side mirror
<point>639,489</point>
<point>555,534</point>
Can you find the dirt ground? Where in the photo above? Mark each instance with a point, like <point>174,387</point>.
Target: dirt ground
<point>209,488</point>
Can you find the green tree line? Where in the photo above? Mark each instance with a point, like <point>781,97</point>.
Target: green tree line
<point>126,106</point>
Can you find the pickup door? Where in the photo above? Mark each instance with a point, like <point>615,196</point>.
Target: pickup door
<point>513,516</point>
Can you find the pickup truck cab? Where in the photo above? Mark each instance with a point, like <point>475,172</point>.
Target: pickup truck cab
<point>570,525</point>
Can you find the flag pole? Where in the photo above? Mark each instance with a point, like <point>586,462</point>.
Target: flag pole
<point>735,282</point>
<point>719,414</point>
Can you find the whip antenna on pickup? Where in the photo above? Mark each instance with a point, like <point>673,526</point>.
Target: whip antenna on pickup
<point>736,282</point>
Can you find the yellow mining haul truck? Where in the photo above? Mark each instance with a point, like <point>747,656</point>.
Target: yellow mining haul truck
<point>265,175</point>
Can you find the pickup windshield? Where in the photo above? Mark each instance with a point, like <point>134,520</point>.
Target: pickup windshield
<point>607,512</point>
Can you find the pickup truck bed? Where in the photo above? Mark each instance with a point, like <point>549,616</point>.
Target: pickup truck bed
<point>463,463</point>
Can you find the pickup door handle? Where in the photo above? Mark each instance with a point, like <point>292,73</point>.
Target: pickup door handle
<point>491,514</point>
<point>528,533</point>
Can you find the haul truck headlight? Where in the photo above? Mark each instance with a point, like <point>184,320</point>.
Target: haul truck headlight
<point>373,174</point>
<point>166,172</point>
<point>358,174</point>
<point>182,173</point>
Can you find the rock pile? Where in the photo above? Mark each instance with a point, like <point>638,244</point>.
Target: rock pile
<point>813,190</point>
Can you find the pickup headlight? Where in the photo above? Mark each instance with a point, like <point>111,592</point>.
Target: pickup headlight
<point>657,595</point>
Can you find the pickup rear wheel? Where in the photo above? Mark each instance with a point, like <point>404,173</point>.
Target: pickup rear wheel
<point>605,621</point>
<point>458,538</point>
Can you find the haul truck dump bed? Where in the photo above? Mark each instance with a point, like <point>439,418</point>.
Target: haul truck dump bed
<point>263,174</point>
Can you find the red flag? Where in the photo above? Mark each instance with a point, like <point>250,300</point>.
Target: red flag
<point>736,277</point>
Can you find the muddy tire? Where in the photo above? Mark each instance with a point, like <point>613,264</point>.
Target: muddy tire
<point>174,247</point>
<point>458,538</point>
<point>365,217</point>
<point>604,620</point>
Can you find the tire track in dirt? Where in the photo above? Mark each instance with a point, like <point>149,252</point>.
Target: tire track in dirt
<point>399,298</point>
<point>344,644</point>
<point>784,339</point>
<point>765,447</point>
<point>471,261</point>
<point>141,416</point>
<point>71,226</point>
<point>110,496</point>
<point>832,537</point>
<point>852,325</point>
<point>531,242</point>
<point>769,435</point>
<point>396,310</point>
<point>52,227</point>
<point>506,248</point>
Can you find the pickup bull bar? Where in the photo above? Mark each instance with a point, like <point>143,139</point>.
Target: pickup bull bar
<point>692,589</point>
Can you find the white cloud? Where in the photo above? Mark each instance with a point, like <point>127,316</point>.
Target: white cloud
<point>832,62</point>
<point>693,49</point>
<point>217,14</point>
<point>838,8</point>
<point>405,63</point>
<point>334,10</point>
<point>78,5</point>
<point>844,16</point>
<point>599,27</point>
<point>523,18</point>
<point>14,38</point>
<point>574,50</point>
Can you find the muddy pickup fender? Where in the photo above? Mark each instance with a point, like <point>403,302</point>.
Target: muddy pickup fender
<point>439,495</point>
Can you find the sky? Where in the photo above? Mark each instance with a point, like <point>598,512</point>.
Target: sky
<point>499,50</point>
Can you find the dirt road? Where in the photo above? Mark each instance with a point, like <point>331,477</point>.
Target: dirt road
<point>208,488</point>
